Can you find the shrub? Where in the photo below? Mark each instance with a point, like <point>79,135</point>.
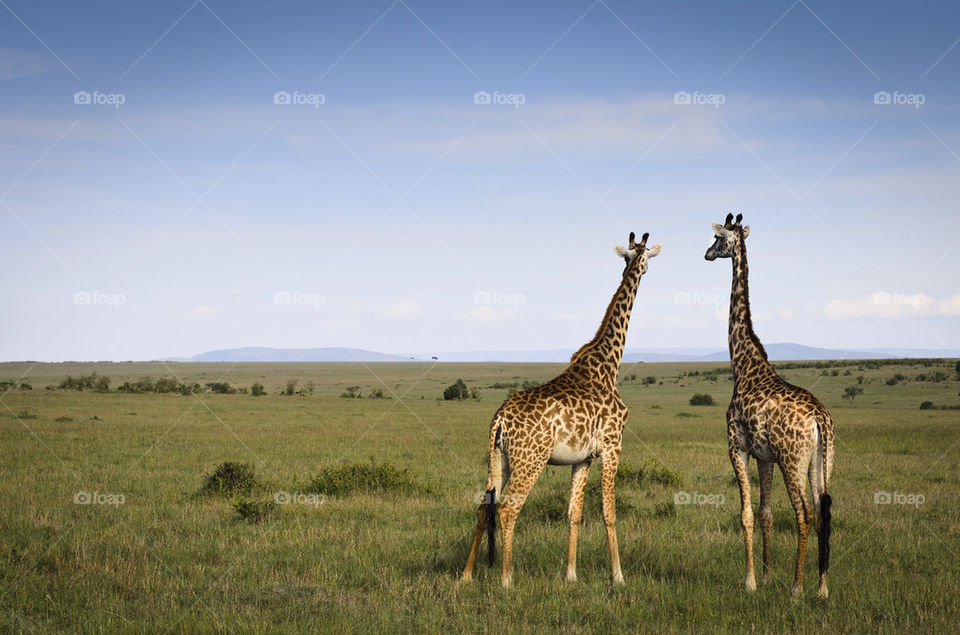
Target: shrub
<point>257,389</point>
<point>926,405</point>
<point>702,399</point>
<point>457,391</point>
<point>378,394</point>
<point>221,388</point>
<point>291,388</point>
<point>351,392</point>
<point>230,478</point>
<point>346,478</point>
<point>650,379</point>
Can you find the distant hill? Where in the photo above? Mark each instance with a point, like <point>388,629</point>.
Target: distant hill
<point>264,354</point>
<point>776,352</point>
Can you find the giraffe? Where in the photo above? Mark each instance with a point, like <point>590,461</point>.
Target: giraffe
<point>776,423</point>
<point>570,420</point>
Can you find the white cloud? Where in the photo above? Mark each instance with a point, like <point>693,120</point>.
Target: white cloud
<point>198,312</point>
<point>949,306</point>
<point>884,304</point>
<point>486,313</point>
<point>405,309</point>
<point>21,63</point>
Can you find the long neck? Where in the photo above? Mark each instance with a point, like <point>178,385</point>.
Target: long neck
<point>745,347</point>
<point>606,347</point>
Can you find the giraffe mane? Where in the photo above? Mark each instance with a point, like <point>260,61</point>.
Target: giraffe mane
<point>748,318</point>
<point>605,322</point>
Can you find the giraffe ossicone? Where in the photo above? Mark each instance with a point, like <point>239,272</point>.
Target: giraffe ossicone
<point>572,419</point>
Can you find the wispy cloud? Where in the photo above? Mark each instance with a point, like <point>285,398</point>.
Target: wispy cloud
<point>22,63</point>
<point>884,304</point>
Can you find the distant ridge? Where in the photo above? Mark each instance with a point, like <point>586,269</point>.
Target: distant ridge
<point>776,352</point>
<point>264,354</point>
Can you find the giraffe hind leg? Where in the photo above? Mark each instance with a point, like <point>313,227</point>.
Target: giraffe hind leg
<point>765,468</point>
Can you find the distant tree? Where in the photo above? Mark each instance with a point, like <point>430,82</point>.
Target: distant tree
<point>351,392</point>
<point>926,405</point>
<point>291,388</point>
<point>851,392</point>
<point>257,389</point>
<point>457,391</point>
<point>649,379</point>
<point>957,368</point>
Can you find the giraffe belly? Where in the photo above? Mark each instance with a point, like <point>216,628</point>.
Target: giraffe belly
<point>566,454</point>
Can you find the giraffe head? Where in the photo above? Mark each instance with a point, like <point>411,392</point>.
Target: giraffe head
<point>727,237</point>
<point>637,251</point>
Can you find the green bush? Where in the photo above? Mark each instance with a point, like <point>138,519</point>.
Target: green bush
<point>257,389</point>
<point>230,478</point>
<point>927,405</point>
<point>702,399</point>
<point>649,379</point>
<point>457,391</point>
<point>347,478</point>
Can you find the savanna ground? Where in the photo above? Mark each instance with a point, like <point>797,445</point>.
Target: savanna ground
<point>151,551</point>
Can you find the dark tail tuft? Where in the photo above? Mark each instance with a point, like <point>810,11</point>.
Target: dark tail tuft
<point>823,540</point>
<point>491,525</point>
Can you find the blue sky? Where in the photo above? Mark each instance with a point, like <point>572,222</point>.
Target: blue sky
<point>399,215</point>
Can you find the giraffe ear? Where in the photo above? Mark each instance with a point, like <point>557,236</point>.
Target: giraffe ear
<point>620,250</point>
<point>654,251</point>
<point>746,230</point>
<point>720,230</point>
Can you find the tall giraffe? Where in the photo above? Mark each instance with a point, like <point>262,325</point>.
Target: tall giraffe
<point>570,420</point>
<point>776,423</point>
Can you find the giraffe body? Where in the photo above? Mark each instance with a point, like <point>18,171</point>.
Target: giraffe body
<point>774,422</point>
<point>572,419</point>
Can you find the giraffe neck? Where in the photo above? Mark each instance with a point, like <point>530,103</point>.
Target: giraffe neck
<point>746,351</point>
<point>606,347</point>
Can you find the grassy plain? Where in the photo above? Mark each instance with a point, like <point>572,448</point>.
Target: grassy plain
<point>169,559</point>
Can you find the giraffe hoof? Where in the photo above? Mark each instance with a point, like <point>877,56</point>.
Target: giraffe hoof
<point>466,578</point>
<point>822,592</point>
<point>797,591</point>
<point>618,579</point>
<point>506,583</point>
<point>571,577</point>
<point>750,585</point>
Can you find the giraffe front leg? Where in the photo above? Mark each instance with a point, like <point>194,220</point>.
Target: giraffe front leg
<point>766,515</point>
<point>740,459</point>
<point>578,482</point>
<point>609,475</point>
<point>793,477</point>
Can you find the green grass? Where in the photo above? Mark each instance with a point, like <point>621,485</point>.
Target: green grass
<point>382,547</point>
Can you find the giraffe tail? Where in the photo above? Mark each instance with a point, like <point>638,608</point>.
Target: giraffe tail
<point>491,505</point>
<point>823,540</point>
